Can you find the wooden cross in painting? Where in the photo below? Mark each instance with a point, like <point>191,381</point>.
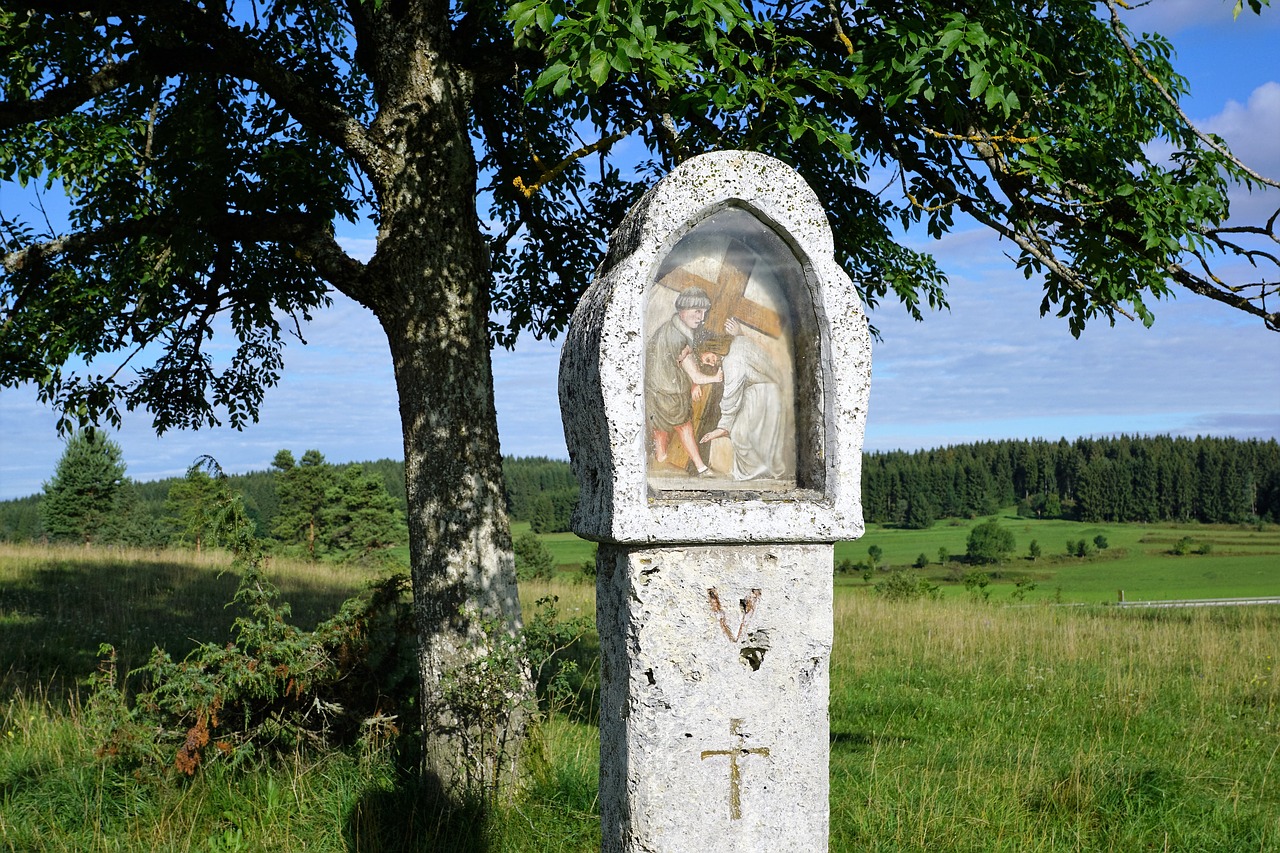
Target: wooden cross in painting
<point>728,299</point>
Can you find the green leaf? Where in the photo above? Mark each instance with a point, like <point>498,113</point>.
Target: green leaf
<point>546,17</point>
<point>981,80</point>
<point>551,74</point>
<point>598,68</point>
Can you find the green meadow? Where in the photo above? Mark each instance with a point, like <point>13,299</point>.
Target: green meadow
<point>1241,561</point>
<point>957,723</point>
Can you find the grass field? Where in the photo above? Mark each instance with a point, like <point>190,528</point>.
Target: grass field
<point>955,725</point>
<point>1243,562</point>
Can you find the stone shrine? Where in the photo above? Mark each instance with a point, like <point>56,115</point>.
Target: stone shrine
<point>714,386</point>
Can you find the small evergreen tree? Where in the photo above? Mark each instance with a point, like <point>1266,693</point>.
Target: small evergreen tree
<point>1034,551</point>
<point>80,503</point>
<point>301,489</point>
<point>195,504</point>
<point>533,560</point>
<point>360,518</point>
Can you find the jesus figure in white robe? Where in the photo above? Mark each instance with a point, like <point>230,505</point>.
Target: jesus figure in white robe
<point>752,411</point>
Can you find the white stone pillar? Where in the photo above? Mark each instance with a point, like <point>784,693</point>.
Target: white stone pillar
<point>713,723</point>
<point>714,591</point>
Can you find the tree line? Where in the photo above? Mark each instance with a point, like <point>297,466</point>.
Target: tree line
<point>326,511</point>
<point>1116,479</point>
<point>318,509</point>
<point>307,508</point>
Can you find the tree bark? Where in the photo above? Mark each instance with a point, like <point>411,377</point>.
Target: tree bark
<point>428,284</point>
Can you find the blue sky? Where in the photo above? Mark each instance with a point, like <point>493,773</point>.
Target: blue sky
<point>989,368</point>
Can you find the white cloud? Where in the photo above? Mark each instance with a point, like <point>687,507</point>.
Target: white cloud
<point>1252,128</point>
<point>992,366</point>
<point>1173,17</point>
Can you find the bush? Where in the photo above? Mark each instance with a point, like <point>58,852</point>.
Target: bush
<point>989,543</point>
<point>533,560</point>
<point>976,583</point>
<point>905,586</point>
<point>274,687</point>
<point>1020,589</point>
<point>921,562</point>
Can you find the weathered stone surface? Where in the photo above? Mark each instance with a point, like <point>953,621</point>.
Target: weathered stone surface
<point>713,723</point>
<point>602,382</point>
<point>714,596</point>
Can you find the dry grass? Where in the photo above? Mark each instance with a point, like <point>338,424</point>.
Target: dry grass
<point>58,604</point>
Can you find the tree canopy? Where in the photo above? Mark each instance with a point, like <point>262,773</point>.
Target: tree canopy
<point>1037,123</point>
<point>209,151</point>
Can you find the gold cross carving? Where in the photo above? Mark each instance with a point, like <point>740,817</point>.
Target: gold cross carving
<point>735,754</point>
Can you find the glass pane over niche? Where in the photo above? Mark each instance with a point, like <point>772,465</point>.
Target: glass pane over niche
<point>722,318</point>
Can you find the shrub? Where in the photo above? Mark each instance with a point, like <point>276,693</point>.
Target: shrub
<point>921,562</point>
<point>989,543</point>
<point>976,583</point>
<point>273,687</point>
<point>533,560</point>
<point>1020,589</point>
<point>905,586</point>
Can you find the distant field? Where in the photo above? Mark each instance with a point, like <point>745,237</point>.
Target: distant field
<point>1242,562</point>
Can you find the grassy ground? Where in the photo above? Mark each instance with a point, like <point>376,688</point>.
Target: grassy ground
<point>1242,561</point>
<point>955,725</point>
<point>59,604</point>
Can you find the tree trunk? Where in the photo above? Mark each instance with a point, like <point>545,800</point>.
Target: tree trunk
<point>428,284</point>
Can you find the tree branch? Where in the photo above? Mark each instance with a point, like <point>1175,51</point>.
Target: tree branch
<point>202,43</point>
<point>65,99</point>
<point>312,241</point>
<point>1118,28</point>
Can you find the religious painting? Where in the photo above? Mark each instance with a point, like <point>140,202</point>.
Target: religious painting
<point>720,360</point>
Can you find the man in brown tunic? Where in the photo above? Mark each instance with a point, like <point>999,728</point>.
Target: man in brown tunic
<point>672,378</point>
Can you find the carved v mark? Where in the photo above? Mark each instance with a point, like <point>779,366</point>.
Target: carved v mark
<point>747,604</point>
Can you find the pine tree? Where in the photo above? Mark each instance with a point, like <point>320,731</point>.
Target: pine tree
<point>80,502</point>
<point>533,560</point>
<point>360,518</point>
<point>301,490</point>
<point>194,504</point>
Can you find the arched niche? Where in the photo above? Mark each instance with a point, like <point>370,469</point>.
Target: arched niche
<point>724,209</point>
<point>732,396</point>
